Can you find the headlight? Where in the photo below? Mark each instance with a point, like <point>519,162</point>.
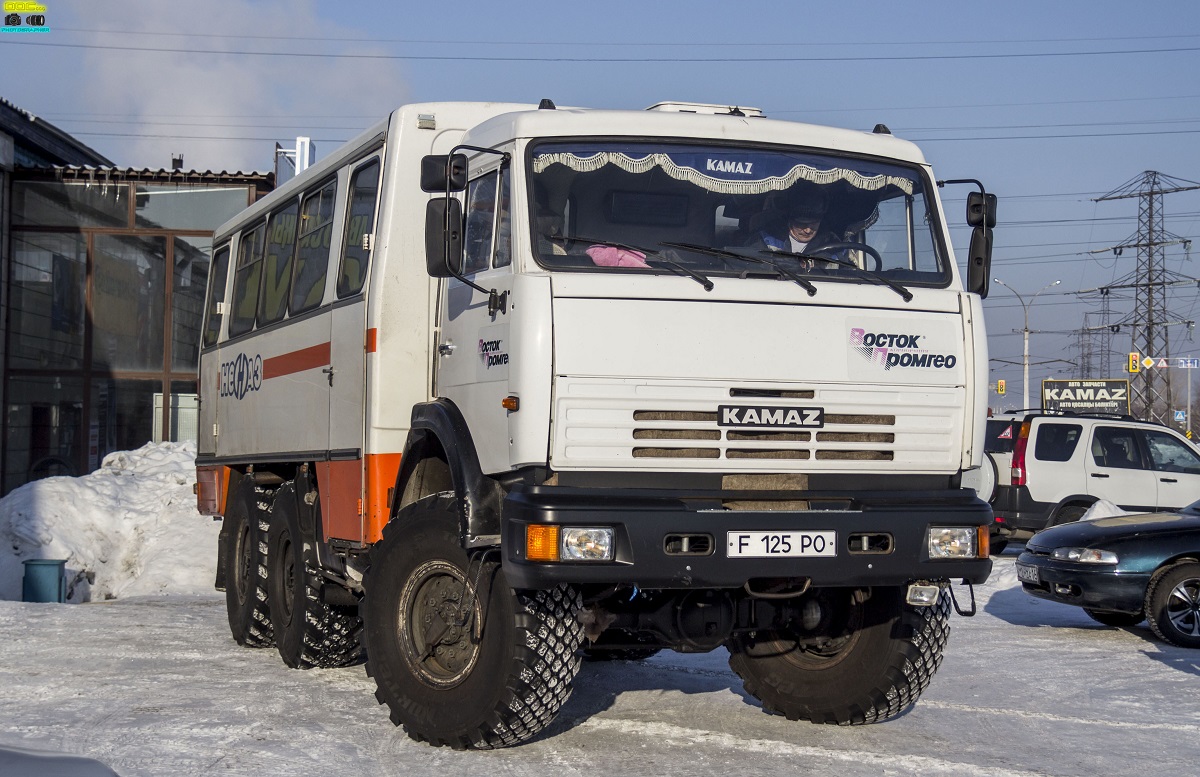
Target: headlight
<point>587,544</point>
<point>1085,555</point>
<point>545,542</point>
<point>952,542</point>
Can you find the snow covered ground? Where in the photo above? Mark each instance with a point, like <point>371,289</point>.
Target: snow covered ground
<point>129,528</point>
<point>154,685</point>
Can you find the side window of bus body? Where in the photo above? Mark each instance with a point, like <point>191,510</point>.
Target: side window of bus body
<point>246,279</point>
<point>312,253</point>
<point>216,296</point>
<point>360,221</point>
<point>488,233</point>
<point>277,264</point>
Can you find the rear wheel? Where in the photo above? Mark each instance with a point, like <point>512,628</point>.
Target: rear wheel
<point>459,657</point>
<point>1173,604</point>
<point>246,570</point>
<point>1117,620</point>
<point>308,632</point>
<point>880,657</point>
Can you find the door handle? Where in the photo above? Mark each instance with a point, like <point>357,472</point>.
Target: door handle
<point>1098,475</point>
<point>445,349</point>
<point>1167,480</point>
<point>329,371</point>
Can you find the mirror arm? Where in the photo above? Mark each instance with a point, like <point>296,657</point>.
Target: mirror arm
<point>496,302</point>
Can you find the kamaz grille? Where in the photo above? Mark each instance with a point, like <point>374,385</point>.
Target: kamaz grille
<point>603,423</point>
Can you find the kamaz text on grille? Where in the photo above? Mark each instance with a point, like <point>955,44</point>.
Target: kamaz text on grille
<point>780,417</point>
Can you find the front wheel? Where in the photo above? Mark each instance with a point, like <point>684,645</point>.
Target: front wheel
<point>459,657</point>
<point>880,656</point>
<point>1173,605</point>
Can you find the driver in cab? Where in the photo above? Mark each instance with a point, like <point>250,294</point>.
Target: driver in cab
<point>799,230</point>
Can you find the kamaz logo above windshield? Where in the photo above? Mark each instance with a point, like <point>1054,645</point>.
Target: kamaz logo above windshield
<point>728,166</point>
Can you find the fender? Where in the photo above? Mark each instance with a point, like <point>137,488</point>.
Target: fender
<point>441,424</point>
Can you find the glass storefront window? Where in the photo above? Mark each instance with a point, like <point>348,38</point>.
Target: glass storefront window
<point>128,302</point>
<point>184,206</point>
<point>191,261</point>
<point>122,415</point>
<point>43,429</point>
<point>47,310</point>
<point>71,204</point>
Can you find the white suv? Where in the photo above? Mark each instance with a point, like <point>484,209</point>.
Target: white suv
<point>1051,467</point>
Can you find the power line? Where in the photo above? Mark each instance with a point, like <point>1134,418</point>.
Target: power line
<point>612,60</point>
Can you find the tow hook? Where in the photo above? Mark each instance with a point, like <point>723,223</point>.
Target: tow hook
<point>959,610</point>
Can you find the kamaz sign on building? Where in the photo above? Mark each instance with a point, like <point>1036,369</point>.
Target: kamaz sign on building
<point>1086,396</point>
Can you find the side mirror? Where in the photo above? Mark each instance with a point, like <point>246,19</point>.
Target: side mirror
<point>435,168</point>
<point>443,237</point>
<point>979,261</point>
<point>981,210</point>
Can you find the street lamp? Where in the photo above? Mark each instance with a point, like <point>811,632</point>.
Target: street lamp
<point>1025,331</point>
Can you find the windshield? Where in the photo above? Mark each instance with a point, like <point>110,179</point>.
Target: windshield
<point>731,211</point>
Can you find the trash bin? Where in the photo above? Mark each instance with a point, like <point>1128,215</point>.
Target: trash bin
<point>44,580</point>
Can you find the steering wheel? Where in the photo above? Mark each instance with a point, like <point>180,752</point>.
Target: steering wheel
<point>830,248</point>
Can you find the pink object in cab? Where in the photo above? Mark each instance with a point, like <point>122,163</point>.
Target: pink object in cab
<point>611,256</point>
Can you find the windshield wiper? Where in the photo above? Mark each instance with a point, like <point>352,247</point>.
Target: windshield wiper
<point>670,264</point>
<point>879,279</point>
<point>724,252</point>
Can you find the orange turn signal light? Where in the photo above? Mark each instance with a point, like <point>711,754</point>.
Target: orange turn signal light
<point>541,543</point>
<point>511,403</point>
<point>983,542</point>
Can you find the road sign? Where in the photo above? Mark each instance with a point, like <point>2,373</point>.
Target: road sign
<point>1181,416</point>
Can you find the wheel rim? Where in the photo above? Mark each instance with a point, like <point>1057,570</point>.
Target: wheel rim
<point>1183,607</point>
<point>434,635</point>
<point>245,561</point>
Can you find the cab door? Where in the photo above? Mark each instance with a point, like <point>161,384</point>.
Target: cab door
<point>473,344</point>
<point>1176,467</point>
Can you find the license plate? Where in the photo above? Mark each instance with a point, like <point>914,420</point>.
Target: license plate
<point>779,544</point>
<point>1028,574</point>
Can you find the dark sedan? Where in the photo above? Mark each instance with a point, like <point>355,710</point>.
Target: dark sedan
<point>1121,570</point>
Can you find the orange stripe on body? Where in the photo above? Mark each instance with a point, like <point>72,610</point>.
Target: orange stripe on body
<point>296,361</point>
<point>345,513</point>
<point>372,340</point>
<point>381,477</point>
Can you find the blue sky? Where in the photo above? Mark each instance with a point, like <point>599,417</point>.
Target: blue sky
<point>1050,104</point>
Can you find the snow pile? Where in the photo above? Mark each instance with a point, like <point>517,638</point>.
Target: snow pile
<point>1103,508</point>
<point>130,528</point>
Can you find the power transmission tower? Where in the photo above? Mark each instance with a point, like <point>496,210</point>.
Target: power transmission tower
<point>1151,389</point>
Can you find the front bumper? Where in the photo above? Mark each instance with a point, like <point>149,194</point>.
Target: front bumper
<point>642,520</point>
<point>1097,587</point>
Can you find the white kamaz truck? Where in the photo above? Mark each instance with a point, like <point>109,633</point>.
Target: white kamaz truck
<point>496,388</point>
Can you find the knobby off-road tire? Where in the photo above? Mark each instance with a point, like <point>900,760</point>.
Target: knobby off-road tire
<point>1116,620</point>
<point>469,670</point>
<point>886,658</point>
<point>1173,604</point>
<point>308,632</point>
<point>246,568</point>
